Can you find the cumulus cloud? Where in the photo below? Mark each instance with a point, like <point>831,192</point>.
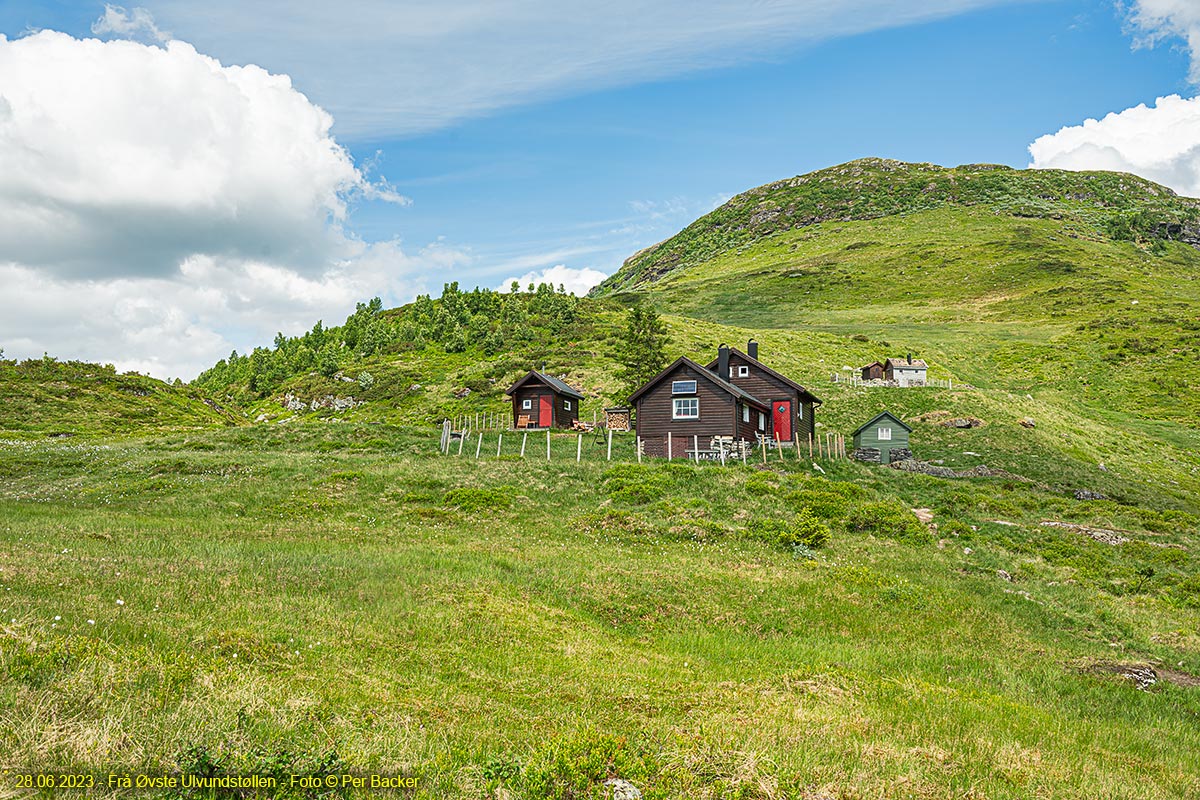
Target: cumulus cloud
<point>118,158</point>
<point>1160,143</point>
<point>387,68</point>
<point>575,281</point>
<point>136,24</point>
<point>161,209</point>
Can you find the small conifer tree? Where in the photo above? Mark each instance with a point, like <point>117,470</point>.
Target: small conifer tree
<point>642,351</point>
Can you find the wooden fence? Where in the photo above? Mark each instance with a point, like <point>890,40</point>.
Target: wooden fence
<point>500,421</point>
<point>604,445</point>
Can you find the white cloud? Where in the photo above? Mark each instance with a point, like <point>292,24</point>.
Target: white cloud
<point>118,158</point>
<point>386,68</point>
<point>1161,144</point>
<point>179,326</point>
<point>575,281</point>
<point>1156,20</point>
<point>136,24</point>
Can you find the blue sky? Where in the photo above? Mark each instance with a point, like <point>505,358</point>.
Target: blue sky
<point>507,138</point>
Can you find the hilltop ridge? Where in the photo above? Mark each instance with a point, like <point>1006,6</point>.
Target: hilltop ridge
<point>1116,206</point>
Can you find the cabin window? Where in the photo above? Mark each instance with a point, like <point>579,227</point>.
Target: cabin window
<point>800,411</point>
<point>526,404</point>
<point>885,434</point>
<point>686,408</point>
<point>745,413</point>
<point>566,405</point>
<point>743,371</point>
<point>762,421</point>
<point>683,387</point>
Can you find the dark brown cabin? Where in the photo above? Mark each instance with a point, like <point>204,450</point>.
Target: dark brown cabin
<point>872,372</point>
<point>540,401</point>
<point>791,405</point>
<point>694,406</point>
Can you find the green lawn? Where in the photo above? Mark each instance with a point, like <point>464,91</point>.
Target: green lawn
<point>288,598</point>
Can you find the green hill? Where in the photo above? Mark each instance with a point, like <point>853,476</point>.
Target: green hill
<point>45,397</point>
<point>1113,205</point>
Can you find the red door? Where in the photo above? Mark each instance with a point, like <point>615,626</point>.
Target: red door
<point>781,419</point>
<point>545,411</point>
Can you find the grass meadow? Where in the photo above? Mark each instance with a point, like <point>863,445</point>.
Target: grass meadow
<point>306,599</point>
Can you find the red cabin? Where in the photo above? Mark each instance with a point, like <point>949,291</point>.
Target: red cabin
<point>540,401</point>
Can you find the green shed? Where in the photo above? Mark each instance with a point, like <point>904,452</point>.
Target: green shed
<point>882,440</point>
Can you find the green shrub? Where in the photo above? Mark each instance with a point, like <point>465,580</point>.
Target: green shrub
<point>1187,592</point>
<point>760,485</point>
<point>801,529</point>
<point>888,521</point>
<point>577,766</point>
<point>827,505</point>
<point>1160,556</point>
<point>955,527</point>
<point>468,498</point>
<point>635,484</point>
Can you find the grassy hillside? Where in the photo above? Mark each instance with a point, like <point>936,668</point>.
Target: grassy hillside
<point>317,598</point>
<point>1112,205</point>
<point>45,397</point>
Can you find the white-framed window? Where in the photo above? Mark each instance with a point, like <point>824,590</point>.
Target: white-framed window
<point>885,434</point>
<point>566,405</point>
<point>526,404</point>
<point>800,411</point>
<point>762,421</point>
<point>685,408</point>
<point>683,387</point>
<point>743,371</point>
<point>745,413</point>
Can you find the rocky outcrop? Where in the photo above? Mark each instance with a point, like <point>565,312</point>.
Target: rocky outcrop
<point>981,471</point>
<point>622,789</point>
<point>293,403</point>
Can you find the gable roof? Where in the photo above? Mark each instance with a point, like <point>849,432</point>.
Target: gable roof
<point>878,417</point>
<point>903,362</point>
<point>784,378</point>
<point>872,364</point>
<point>705,373</point>
<point>554,383</point>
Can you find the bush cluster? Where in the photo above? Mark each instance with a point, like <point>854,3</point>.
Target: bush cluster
<point>888,521</point>
<point>802,529</point>
<point>481,317</point>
